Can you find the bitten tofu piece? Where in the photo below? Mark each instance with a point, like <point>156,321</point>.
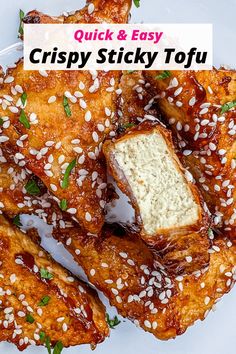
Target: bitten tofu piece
<point>168,206</point>
<point>40,302</point>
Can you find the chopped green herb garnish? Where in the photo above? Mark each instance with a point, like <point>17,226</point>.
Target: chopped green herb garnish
<point>128,125</point>
<point>24,120</point>
<point>63,204</point>
<point>227,106</point>
<point>45,274</point>
<point>131,71</point>
<point>44,301</point>
<point>66,106</point>
<point>32,188</point>
<point>58,348</point>
<point>48,344</point>
<point>137,3</point>
<point>70,167</point>
<point>112,323</point>
<point>29,318</point>
<point>16,221</point>
<point>1,121</point>
<point>163,75</point>
<point>42,336</point>
<point>21,30</point>
<point>210,233</point>
<point>23,98</point>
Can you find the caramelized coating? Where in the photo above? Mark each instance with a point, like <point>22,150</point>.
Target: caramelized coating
<point>96,11</point>
<point>82,104</point>
<point>194,105</point>
<point>183,249</point>
<point>135,100</point>
<point>39,298</point>
<point>125,270</point>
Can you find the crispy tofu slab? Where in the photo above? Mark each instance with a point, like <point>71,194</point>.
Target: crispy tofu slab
<point>39,299</point>
<point>126,271</point>
<point>169,208</point>
<point>200,108</point>
<point>121,265</point>
<point>56,122</point>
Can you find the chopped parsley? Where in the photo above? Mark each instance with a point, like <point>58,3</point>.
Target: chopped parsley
<point>47,341</point>
<point>48,344</point>
<point>70,167</point>
<point>137,3</point>
<point>210,233</point>
<point>1,121</point>
<point>227,106</point>
<point>58,348</point>
<point>45,274</point>
<point>112,323</point>
<point>32,188</point>
<point>42,336</point>
<point>24,120</point>
<point>23,98</point>
<point>16,220</point>
<point>164,75</point>
<point>63,204</point>
<point>21,30</point>
<point>128,125</point>
<point>66,106</point>
<point>29,318</point>
<point>44,301</point>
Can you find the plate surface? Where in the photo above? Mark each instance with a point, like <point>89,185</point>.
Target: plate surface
<point>216,335</point>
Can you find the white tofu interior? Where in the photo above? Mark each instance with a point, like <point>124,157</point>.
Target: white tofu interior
<point>163,195</point>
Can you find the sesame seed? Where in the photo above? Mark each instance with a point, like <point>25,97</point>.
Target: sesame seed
<point>88,216</point>
<point>91,8</point>
<point>52,99</point>
<point>178,91</point>
<point>147,324</point>
<point>88,116</point>
<point>82,103</point>
<point>43,73</point>
<point>192,101</point>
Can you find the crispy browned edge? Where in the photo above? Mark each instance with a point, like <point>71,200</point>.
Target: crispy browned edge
<point>174,245</point>
<point>65,295</point>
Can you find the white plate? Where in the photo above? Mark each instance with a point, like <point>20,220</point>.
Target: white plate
<point>216,335</point>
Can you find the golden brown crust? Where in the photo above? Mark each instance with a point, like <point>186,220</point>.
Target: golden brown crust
<point>121,266</point>
<point>175,245</point>
<point>73,315</point>
<point>125,270</point>
<point>191,103</point>
<point>135,99</point>
<point>93,102</point>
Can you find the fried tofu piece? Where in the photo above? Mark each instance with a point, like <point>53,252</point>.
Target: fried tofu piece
<point>58,130</point>
<point>200,109</point>
<point>126,271</point>
<point>169,208</point>
<point>134,280</point>
<point>40,299</point>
